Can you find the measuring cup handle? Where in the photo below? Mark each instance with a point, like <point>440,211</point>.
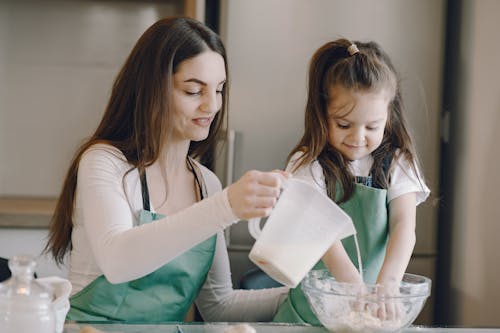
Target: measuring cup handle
<point>254,227</point>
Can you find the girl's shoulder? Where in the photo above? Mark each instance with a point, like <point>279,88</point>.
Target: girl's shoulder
<point>296,161</point>
<point>405,177</point>
<point>311,172</point>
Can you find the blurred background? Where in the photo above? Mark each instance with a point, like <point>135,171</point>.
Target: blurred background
<point>58,60</point>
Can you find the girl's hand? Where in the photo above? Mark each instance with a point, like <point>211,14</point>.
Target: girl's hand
<point>255,193</point>
<point>390,308</point>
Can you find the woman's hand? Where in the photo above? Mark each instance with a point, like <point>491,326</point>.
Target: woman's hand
<point>255,193</point>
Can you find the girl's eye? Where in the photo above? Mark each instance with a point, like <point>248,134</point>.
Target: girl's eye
<point>193,93</point>
<point>342,126</point>
<point>372,128</point>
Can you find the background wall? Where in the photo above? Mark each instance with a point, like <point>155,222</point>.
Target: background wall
<point>58,60</point>
<point>469,288</point>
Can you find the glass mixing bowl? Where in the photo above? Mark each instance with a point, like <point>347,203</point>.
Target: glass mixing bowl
<point>347,307</point>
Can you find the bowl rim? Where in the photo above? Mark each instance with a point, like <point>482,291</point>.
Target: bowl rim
<point>312,289</point>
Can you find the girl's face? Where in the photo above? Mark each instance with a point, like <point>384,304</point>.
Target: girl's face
<point>356,121</point>
<point>197,95</point>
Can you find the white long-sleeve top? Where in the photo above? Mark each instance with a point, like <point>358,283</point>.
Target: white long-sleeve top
<point>107,239</point>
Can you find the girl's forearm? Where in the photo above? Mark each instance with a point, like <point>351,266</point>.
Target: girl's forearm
<point>399,249</point>
<point>339,264</point>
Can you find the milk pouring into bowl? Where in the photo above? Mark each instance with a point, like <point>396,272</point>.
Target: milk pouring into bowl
<point>302,226</point>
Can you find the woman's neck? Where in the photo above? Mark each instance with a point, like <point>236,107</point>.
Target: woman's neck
<point>173,157</point>
<point>168,174</point>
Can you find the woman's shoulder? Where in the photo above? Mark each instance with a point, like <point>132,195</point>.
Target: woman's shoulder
<point>102,154</point>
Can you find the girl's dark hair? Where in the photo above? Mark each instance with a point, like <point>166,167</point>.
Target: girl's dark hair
<point>370,69</point>
<point>138,117</point>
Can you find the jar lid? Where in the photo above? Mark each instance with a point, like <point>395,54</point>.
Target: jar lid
<point>22,283</point>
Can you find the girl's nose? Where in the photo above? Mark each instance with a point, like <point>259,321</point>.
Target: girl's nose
<point>358,136</point>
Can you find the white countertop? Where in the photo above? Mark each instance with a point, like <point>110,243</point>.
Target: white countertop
<point>259,327</point>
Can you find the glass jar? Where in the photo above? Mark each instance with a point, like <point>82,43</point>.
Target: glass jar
<point>25,305</point>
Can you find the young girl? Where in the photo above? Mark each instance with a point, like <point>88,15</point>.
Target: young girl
<point>356,148</point>
<point>142,220</point>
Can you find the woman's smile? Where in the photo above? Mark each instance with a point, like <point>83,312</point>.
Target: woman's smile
<point>203,121</point>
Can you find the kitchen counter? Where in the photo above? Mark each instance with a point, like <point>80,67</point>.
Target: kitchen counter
<point>260,328</point>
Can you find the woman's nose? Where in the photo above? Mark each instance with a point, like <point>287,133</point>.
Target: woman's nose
<point>211,102</point>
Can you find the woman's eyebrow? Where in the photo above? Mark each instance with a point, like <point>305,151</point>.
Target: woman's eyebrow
<point>194,80</point>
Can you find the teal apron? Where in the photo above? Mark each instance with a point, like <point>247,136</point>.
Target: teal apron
<point>161,296</point>
<point>368,210</point>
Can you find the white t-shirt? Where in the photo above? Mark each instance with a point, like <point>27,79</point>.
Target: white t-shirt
<point>107,239</point>
<point>403,178</point>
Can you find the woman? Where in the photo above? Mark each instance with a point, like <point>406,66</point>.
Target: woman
<point>142,219</point>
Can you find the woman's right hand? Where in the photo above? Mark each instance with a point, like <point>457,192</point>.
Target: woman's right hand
<point>255,193</point>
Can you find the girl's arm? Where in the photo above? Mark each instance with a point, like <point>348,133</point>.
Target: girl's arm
<point>340,265</point>
<point>402,216</point>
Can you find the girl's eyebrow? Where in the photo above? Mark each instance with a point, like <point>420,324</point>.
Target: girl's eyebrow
<point>376,121</point>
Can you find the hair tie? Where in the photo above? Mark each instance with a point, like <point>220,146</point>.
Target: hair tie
<point>352,49</point>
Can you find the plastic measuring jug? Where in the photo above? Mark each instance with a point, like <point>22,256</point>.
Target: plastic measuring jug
<point>303,224</point>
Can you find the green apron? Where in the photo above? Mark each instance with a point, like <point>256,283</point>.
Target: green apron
<point>368,210</point>
<point>161,296</point>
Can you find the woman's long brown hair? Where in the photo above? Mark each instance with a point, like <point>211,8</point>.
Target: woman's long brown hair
<point>370,69</point>
<point>137,118</point>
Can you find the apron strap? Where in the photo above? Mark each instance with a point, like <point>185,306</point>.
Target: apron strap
<point>145,191</point>
<point>198,178</point>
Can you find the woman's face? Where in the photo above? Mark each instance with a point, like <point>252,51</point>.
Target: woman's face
<point>356,121</point>
<point>197,95</point>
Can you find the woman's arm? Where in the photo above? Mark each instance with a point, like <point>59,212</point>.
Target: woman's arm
<point>106,214</point>
<point>402,216</point>
<point>218,301</point>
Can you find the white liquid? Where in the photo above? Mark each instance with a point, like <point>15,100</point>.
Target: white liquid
<point>360,264</point>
